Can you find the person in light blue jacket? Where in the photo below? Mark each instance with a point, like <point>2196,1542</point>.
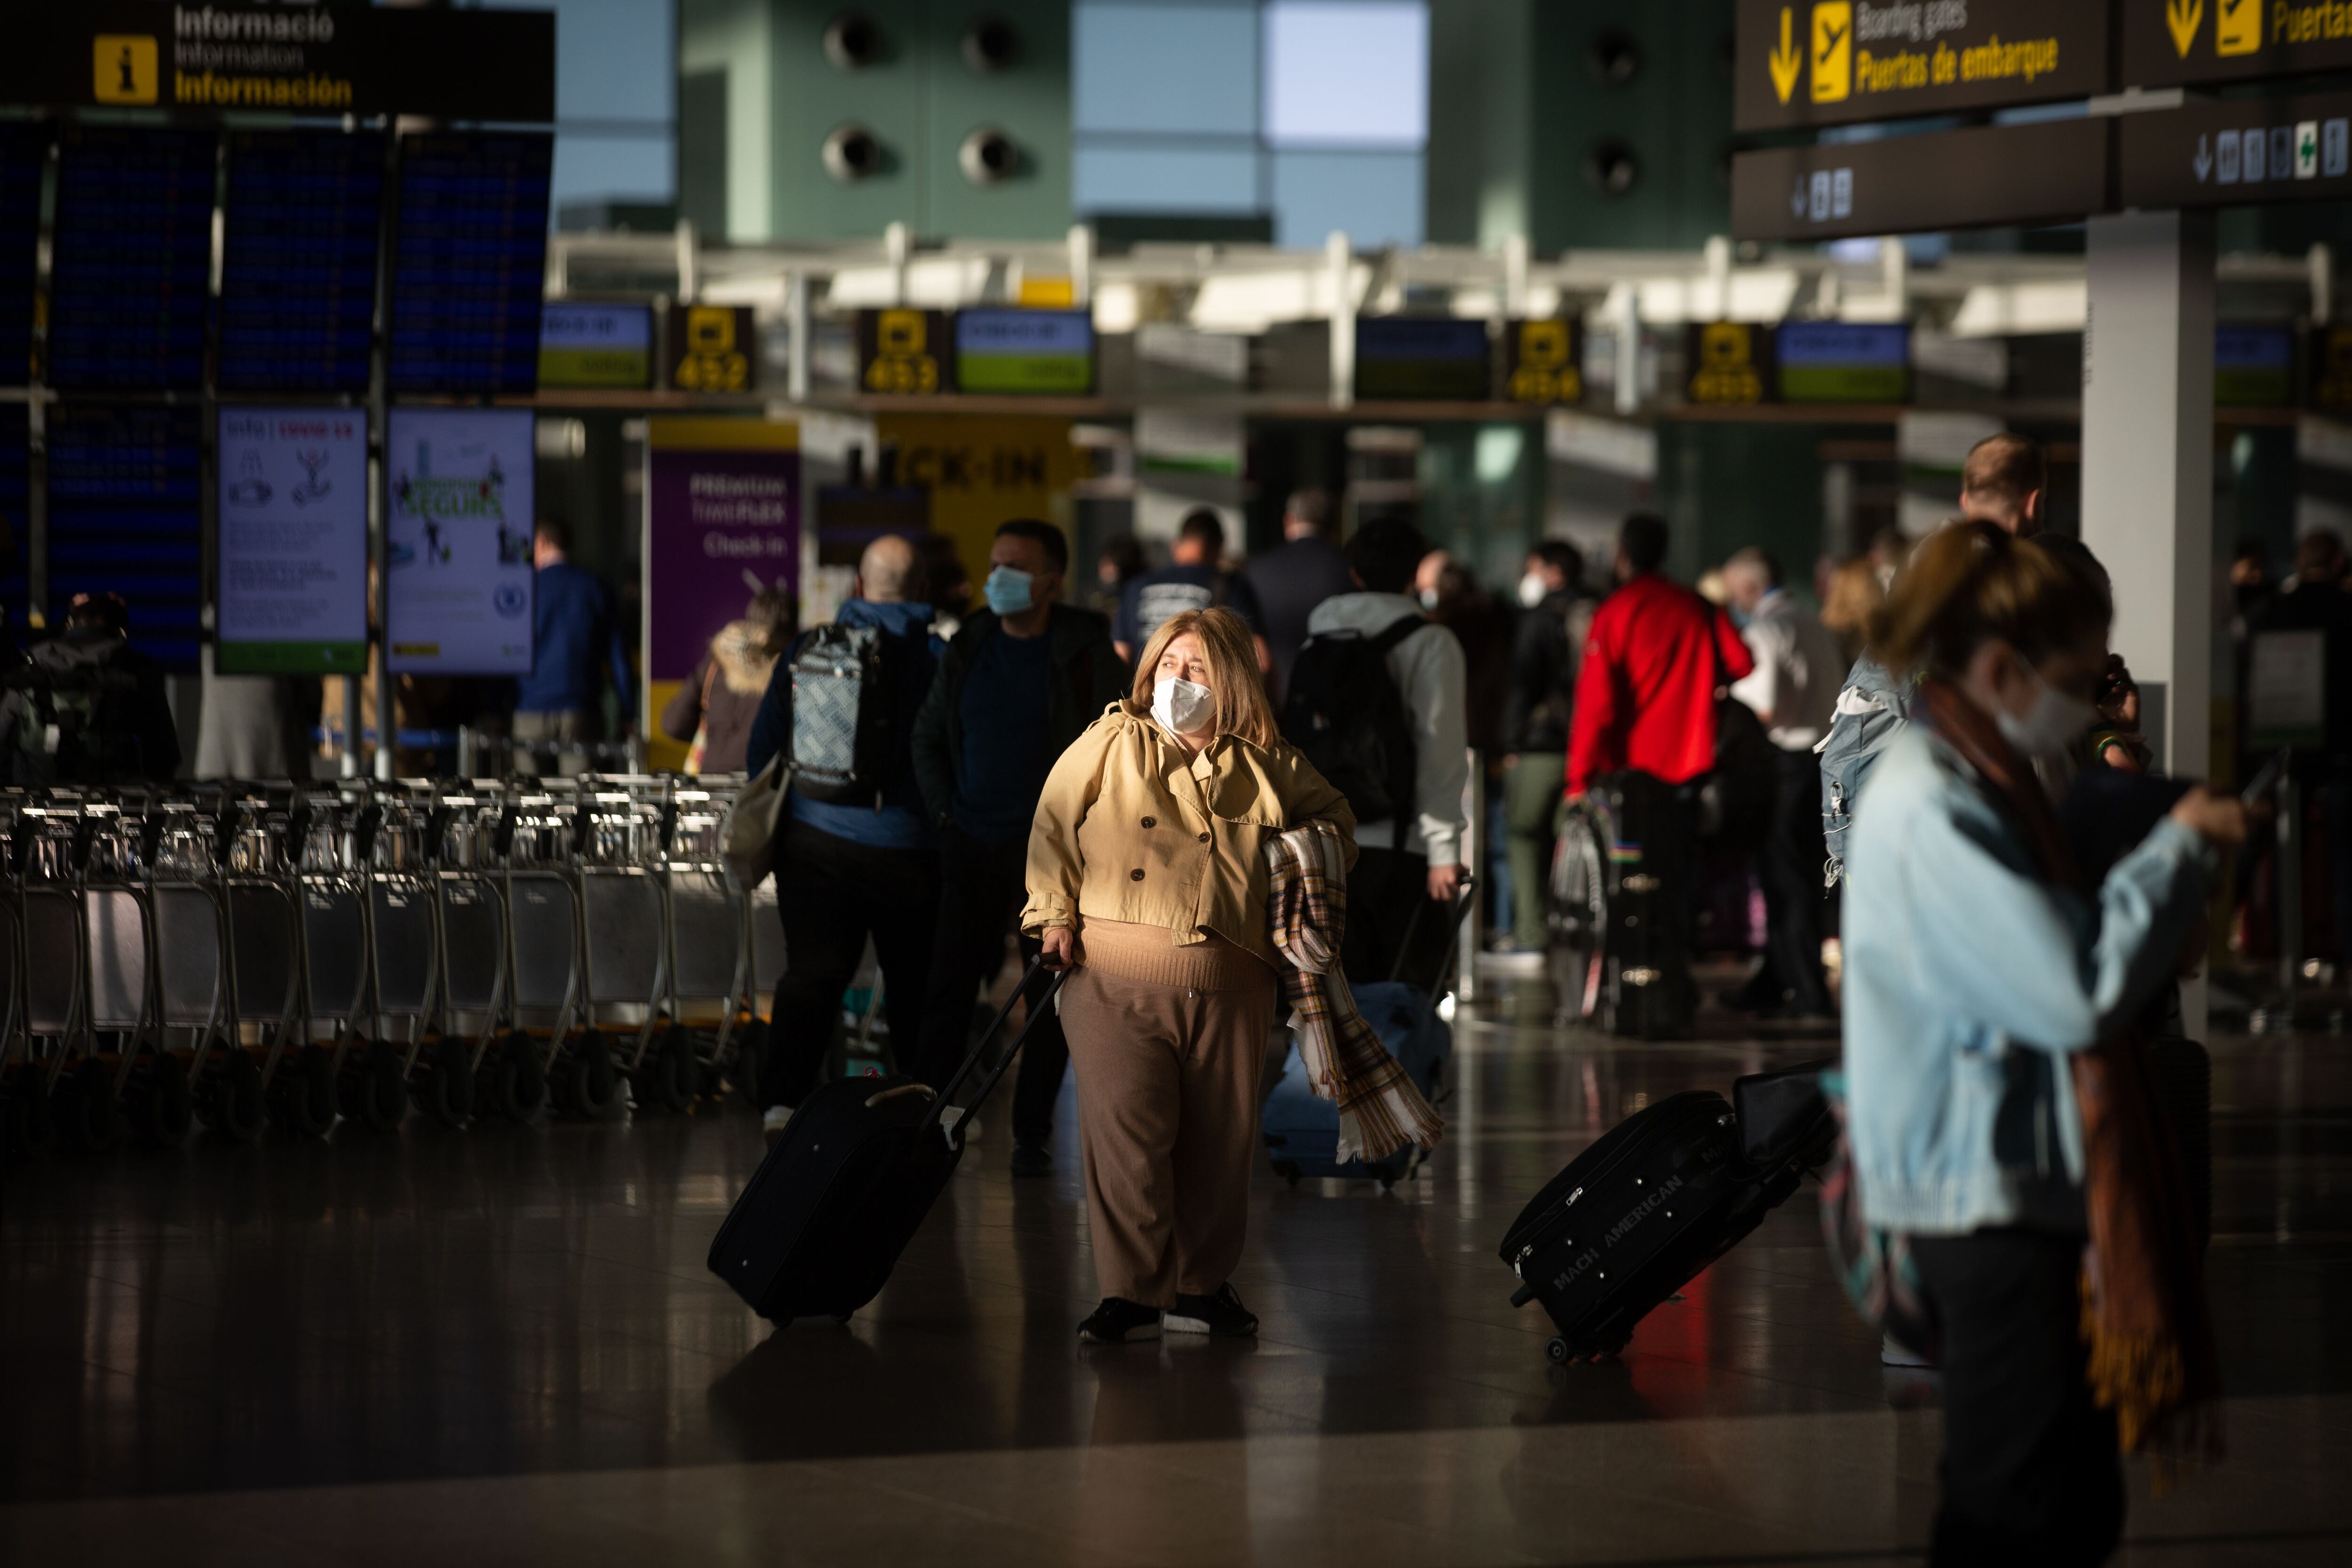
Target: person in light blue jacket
<point>1974,968</point>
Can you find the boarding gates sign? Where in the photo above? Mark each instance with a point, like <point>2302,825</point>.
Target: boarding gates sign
<point>2192,43</point>
<point>1840,62</point>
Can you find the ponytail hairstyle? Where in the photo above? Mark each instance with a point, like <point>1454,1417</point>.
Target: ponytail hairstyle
<point>1972,583</point>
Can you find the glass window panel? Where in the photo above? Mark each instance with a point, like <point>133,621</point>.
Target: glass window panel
<point>1346,73</point>
<point>1375,197</point>
<point>1169,178</point>
<point>1190,69</point>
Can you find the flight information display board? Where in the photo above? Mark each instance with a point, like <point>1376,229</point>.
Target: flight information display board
<point>469,259</point>
<point>1429,357</point>
<point>22,149</point>
<point>15,494</point>
<point>126,517</point>
<point>1843,361</point>
<point>132,249</point>
<point>298,260</point>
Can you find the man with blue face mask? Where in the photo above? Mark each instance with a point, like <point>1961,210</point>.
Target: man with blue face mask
<point>1020,681</point>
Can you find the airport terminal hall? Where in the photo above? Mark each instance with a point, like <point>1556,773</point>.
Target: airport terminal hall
<point>1175,783</point>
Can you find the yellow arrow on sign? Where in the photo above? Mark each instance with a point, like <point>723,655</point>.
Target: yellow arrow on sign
<point>1787,62</point>
<point>2182,17</point>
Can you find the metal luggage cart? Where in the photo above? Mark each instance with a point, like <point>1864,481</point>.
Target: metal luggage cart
<point>46,1059</point>
<point>544,958</point>
<point>183,848</point>
<point>710,949</point>
<point>260,889</point>
<point>618,850</point>
<point>470,836</point>
<point>404,958</point>
<point>337,839</point>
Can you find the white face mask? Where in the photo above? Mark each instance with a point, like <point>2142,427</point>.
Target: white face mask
<point>1531,590</point>
<point>1186,709</point>
<point>2054,722</point>
<point>1428,598</point>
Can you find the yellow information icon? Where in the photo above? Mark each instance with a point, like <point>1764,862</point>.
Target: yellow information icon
<point>2237,26</point>
<point>1834,51</point>
<point>122,67</point>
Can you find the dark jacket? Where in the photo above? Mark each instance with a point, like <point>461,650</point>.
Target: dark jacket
<point>1093,677</point>
<point>1543,671</point>
<point>107,702</point>
<point>575,643</point>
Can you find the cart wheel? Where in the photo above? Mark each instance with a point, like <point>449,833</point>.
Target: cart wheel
<point>743,1069</point>
<point>162,1104</point>
<point>1557,1352</point>
<point>302,1092</point>
<point>444,1088</point>
<point>230,1100</point>
<point>85,1107</point>
<point>586,1082</point>
<point>372,1092</point>
<point>26,1127</point>
<point>517,1088</point>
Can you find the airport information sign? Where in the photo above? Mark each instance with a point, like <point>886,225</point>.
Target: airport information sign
<point>457,531</point>
<point>2236,153</point>
<point>470,262</point>
<point>298,235</point>
<point>2050,172</point>
<point>1843,361</point>
<point>1544,361</point>
<point>1838,62</point>
<point>713,348</point>
<point>1730,364</point>
<point>131,282</point>
<point>126,516</point>
<point>1025,353</point>
<point>2195,43</point>
<point>901,352</point>
<point>1435,358</point>
<point>24,150</point>
<point>292,558</point>
<point>2253,366</point>
<point>441,61</point>
<point>2330,351</point>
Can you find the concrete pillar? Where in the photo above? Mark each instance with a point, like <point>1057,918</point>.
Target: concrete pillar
<point>2147,474</point>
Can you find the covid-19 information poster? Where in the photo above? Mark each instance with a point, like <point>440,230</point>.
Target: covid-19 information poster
<point>457,533</point>
<point>293,541</point>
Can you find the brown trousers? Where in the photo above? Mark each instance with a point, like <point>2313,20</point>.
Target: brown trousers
<point>1168,1102</point>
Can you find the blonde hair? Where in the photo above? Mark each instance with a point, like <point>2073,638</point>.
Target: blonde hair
<point>1973,583</point>
<point>1853,595</point>
<point>1238,694</point>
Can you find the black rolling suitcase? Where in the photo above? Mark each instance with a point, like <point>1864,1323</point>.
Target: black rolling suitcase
<point>1638,982</point>
<point>823,1219</point>
<point>1657,1198</point>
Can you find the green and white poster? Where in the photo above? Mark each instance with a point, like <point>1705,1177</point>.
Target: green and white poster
<point>457,533</point>
<point>293,541</point>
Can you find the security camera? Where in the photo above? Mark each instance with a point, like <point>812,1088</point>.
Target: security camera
<point>851,153</point>
<point>852,41</point>
<point>988,155</point>
<point>1612,167</point>
<point>989,44</point>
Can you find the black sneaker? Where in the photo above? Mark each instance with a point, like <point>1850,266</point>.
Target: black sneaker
<point>1119,1322</point>
<point>1222,1315</point>
<point>1032,1159</point>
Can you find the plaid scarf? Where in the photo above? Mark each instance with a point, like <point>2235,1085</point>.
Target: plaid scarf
<point>1381,1110</point>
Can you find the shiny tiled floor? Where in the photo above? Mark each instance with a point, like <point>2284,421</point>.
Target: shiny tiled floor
<point>502,1346</point>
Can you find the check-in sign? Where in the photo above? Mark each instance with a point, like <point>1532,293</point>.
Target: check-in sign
<point>1836,62</point>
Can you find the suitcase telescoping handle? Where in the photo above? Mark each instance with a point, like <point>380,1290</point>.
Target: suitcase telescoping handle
<point>1004,1062</point>
<point>1453,958</point>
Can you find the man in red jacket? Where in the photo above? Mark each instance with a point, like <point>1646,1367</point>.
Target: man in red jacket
<point>1657,655</point>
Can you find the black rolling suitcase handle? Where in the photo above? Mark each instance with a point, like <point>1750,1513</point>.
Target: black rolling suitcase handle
<point>988,1085</point>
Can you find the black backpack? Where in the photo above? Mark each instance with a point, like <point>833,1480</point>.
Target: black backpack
<point>77,721</point>
<point>840,714</point>
<point>1345,714</point>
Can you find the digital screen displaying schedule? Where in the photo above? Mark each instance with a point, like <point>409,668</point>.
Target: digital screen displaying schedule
<point>468,263</point>
<point>15,493</point>
<point>299,260</point>
<point>132,258</point>
<point>23,150</point>
<point>126,517</point>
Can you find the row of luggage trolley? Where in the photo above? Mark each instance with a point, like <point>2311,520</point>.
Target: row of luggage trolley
<point>305,955</point>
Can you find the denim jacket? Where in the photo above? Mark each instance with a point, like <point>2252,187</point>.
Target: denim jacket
<point>1969,981</point>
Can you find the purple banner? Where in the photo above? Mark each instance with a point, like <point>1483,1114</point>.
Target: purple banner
<point>722,522</point>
